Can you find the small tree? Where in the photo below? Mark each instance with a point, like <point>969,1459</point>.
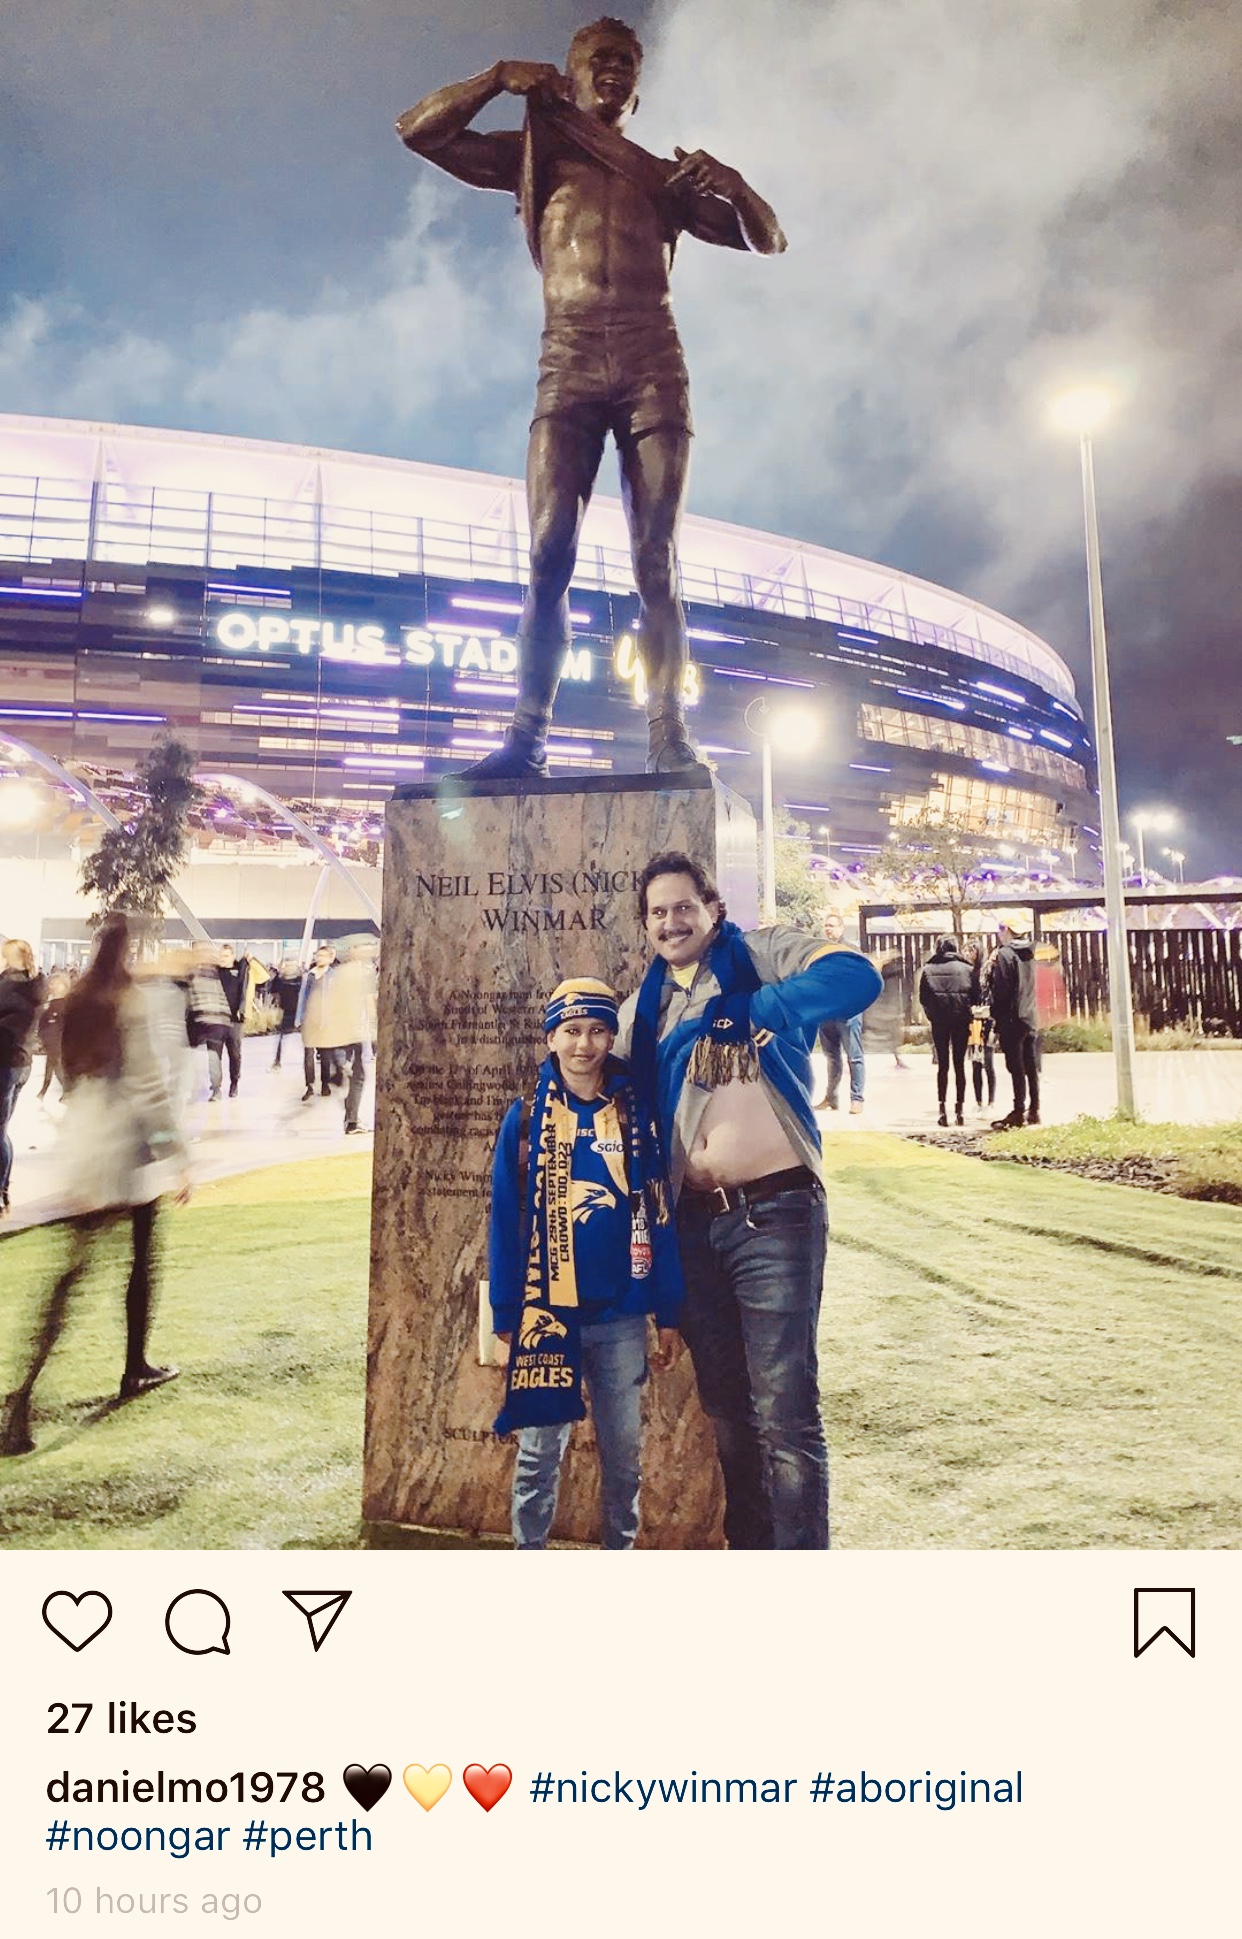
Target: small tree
<point>133,865</point>
<point>932,861</point>
<point>799,901</point>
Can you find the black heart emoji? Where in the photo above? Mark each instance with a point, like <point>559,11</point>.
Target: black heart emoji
<point>366,1787</point>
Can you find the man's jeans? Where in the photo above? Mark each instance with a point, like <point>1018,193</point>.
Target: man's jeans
<point>1019,1044</point>
<point>844,1035</point>
<point>754,1278</point>
<point>614,1365</point>
<point>230,1042</point>
<point>11,1082</point>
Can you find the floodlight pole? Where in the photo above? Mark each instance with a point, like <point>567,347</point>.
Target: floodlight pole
<point>1120,1000</point>
<point>768,815</point>
<point>769,829</point>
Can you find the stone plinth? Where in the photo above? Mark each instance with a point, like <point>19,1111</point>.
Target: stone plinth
<point>491,897</point>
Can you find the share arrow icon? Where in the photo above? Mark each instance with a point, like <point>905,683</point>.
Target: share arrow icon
<point>321,1607</point>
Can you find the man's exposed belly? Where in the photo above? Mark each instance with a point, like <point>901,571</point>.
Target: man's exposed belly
<point>739,1138</point>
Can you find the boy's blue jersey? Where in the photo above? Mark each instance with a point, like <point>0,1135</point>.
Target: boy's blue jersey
<point>601,1217</point>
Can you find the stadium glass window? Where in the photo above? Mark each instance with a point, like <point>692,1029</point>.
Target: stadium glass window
<point>980,806</point>
<point>894,727</point>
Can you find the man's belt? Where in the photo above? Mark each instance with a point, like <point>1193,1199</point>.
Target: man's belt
<point>717,1199</point>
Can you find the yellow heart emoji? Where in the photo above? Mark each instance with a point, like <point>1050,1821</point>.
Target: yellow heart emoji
<point>427,1787</point>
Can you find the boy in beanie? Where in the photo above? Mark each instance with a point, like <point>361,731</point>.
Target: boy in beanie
<point>582,1250</point>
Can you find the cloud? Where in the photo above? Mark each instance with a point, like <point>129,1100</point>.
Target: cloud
<point>983,204</point>
<point>420,355</point>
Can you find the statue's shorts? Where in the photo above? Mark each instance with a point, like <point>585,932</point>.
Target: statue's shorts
<point>625,376</point>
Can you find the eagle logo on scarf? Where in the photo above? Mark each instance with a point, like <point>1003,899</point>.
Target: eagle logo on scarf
<point>538,1324</point>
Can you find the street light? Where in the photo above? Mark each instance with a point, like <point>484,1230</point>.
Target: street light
<point>794,733</point>
<point>1159,823</point>
<point>1177,857</point>
<point>1084,411</point>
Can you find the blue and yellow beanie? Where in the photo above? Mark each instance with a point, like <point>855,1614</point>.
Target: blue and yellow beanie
<point>581,996</point>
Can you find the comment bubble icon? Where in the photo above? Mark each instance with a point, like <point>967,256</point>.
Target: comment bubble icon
<point>197,1622</point>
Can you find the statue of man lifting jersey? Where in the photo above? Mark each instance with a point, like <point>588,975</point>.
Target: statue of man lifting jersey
<point>602,218</point>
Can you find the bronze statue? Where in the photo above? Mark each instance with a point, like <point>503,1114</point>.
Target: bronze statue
<point>602,218</point>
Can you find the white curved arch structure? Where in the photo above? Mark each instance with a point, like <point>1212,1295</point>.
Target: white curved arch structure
<point>326,853</point>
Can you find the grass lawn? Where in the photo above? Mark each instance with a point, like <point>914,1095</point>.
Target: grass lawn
<point>258,1445</point>
<point>1195,1160</point>
<point>1010,1357</point>
<point>1024,1359</point>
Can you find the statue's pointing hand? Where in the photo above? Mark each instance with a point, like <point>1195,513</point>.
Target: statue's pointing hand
<point>704,173</point>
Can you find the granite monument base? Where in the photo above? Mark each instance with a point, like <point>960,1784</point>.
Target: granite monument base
<point>494,892</point>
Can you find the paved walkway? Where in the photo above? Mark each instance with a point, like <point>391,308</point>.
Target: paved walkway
<point>1172,1087</point>
<point>267,1124</point>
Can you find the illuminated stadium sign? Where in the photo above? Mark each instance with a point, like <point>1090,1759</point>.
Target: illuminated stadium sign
<point>474,651</point>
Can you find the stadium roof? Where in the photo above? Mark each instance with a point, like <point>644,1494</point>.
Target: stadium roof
<point>127,493</point>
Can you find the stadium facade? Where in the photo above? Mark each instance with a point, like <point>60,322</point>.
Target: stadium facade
<point>326,625</point>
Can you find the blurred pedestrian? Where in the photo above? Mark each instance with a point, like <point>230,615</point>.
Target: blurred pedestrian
<point>122,1147</point>
<point>884,1026</point>
<point>841,1039</point>
<point>236,979</point>
<point>210,1018</point>
<point>948,987</point>
<point>347,1020</point>
<point>58,988</point>
<point>285,985</point>
<point>21,999</point>
<point>310,1019</point>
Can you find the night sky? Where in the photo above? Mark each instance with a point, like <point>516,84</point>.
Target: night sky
<point>210,224</point>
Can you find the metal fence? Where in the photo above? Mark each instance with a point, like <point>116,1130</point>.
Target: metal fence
<point>1189,978</point>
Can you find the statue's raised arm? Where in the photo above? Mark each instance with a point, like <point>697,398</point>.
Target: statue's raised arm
<point>438,126</point>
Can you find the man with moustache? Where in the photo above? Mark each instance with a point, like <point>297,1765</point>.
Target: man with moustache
<point>719,1040</point>
<point>602,218</point>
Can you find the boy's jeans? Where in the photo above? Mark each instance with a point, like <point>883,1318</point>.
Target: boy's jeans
<point>614,1366</point>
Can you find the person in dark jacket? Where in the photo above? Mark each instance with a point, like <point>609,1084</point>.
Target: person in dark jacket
<point>21,998</point>
<point>1011,996</point>
<point>285,985</point>
<point>948,987</point>
<point>235,978</point>
<point>58,988</point>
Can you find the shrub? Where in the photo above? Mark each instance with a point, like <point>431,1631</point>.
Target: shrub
<point>1096,1033</point>
<point>1079,1033</point>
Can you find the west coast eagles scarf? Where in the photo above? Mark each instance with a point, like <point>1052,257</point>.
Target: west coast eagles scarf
<point>544,1384</point>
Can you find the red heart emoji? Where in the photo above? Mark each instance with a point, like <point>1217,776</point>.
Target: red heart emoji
<point>487,1787</point>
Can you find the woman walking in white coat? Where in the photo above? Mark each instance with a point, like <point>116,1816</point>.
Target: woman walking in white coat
<point>122,1148</point>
